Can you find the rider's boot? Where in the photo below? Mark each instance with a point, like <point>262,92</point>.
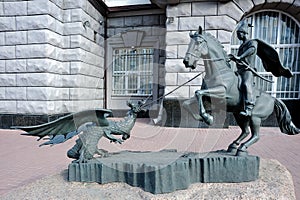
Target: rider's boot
<point>248,109</point>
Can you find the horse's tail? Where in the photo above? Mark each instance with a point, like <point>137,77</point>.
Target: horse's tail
<point>284,118</point>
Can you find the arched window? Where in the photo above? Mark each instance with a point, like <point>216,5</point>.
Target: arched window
<point>282,32</point>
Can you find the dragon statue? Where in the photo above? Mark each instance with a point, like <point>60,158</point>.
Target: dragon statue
<point>90,126</point>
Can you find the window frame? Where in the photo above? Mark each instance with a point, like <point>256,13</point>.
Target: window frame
<point>138,72</point>
<point>116,42</point>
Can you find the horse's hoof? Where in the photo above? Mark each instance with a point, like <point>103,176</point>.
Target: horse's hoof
<point>241,153</point>
<point>232,149</point>
<point>208,119</point>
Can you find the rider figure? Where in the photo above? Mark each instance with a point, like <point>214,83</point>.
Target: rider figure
<point>245,59</point>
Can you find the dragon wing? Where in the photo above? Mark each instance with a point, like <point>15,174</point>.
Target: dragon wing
<point>66,127</point>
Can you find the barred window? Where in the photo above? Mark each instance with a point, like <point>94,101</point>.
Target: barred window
<point>282,32</point>
<point>132,71</point>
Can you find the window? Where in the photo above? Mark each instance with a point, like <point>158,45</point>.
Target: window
<point>282,32</point>
<point>132,71</point>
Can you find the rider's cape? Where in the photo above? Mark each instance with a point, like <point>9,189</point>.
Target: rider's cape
<point>271,61</point>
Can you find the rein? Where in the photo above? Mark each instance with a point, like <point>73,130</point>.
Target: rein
<point>208,59</point>
<point>241,62</point>
<point>213,59</point>
<point>155,100</point>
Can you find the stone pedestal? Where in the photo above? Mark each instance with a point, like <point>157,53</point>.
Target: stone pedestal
<point>274,182</point>
<point>166,171</point>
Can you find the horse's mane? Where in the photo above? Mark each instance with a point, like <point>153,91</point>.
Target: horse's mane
<point>218,43</point>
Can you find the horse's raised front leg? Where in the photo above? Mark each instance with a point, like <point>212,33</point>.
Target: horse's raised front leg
<point>254,126</point>
<point>191,107</point>
<point>215,92</point>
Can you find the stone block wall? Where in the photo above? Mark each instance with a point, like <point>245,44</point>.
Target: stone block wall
<point>188,16</point>
<point>216,17</point>
<point>52,51</point>
<point>51,57</point>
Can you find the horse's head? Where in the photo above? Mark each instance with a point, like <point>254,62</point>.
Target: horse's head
<point>197,49</point>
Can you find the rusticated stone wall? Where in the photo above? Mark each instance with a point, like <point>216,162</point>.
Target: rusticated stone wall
<point>216,17</point>
<point>183,18</point>
<point>51,56</point>
<point>52,51</point>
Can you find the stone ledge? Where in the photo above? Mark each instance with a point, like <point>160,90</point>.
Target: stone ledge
<point>275,182</point>
<point>166,171</point>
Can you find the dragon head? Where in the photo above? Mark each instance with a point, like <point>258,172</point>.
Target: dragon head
<point>136,108</point>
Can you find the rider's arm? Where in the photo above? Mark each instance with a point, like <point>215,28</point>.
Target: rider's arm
<point>247,53</point>
<point>250,51</point>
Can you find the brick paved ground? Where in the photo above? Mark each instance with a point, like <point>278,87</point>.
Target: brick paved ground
<point>22,161</point>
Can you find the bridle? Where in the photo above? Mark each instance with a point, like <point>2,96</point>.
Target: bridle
<point>205,59</point>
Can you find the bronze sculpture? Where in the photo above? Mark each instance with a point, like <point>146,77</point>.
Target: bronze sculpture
<point>93,124</point>
<point>222,83</point>
<point>247,52</point>
<point>245,60</point>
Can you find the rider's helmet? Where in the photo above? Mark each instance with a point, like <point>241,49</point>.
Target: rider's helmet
<point>244,27</point>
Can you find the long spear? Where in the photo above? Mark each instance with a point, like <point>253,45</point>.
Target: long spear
<point>144,105</point>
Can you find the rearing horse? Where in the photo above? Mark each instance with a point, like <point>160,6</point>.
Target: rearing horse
<point>222,83</point>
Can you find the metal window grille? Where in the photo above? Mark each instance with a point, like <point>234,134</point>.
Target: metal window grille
<point>132,71</point>
<point>282,32</point>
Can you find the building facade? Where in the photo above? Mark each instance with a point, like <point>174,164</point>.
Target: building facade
<point>62,56</point>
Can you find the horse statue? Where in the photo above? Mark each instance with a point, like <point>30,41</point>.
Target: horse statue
<point>223,84</point>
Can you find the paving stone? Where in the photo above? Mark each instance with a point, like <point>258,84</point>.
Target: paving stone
<point>33,161</point>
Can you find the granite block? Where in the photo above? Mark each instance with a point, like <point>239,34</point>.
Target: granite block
<point>166,171</point>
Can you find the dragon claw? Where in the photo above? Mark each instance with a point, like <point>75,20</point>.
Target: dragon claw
<point>119,141</point>
<point>81,160</point>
